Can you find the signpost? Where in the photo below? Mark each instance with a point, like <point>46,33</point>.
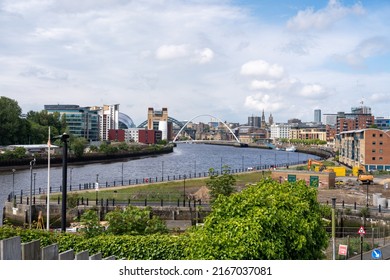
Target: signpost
<point>362,232</point>
<point>343,250</point>
<point>376,254</point>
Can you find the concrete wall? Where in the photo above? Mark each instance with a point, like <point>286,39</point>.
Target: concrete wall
<point>326,180</point>
<point>13,249</point>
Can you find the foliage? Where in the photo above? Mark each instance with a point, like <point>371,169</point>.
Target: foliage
<point>77,145</point>
<point>220,184</point>
<point>265,221</point>
<point>134,220</point>
<point>364,212</point>
<point>91,224</point>
<point>108,148</point>
<point>13,129</point>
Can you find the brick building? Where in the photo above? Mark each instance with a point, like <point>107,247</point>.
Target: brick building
<point>369,147</point>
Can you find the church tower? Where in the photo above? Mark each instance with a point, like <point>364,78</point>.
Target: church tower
<point>263,123</point>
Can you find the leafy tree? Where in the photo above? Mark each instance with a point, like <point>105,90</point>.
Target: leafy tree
<point>91,224</point>
<point>268,220</point>
<point>133,220</point>
<point>220,184</point>
<point>77,145</point>
<point>10,121</point>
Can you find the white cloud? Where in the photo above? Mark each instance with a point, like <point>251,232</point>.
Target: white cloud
<point>263,101</point>
<point>262,85</point>
<point>367,48</point>
<point>312,91</point>
<point>168,52</point>
<point>204,56</point>
<point>261,68</point>
<point>323,18</point>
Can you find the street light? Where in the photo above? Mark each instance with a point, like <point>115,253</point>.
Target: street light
<point>64,138</point>
<point>184,190</point>
<point>97,188</point>
<point>34,181</point>
<point>32,163</point>
<point>333,228</point>
<point>13,186</point>
<point>70,179</point>
<point>162,171</point>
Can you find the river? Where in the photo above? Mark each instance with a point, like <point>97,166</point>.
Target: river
<point>186,159</point>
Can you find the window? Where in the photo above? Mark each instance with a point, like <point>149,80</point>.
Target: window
<point>380,143</point>
<point>380,158</point>
<point>373,158</point>
<point>380,151</point>
<point>380,135</point>
<point>373,135</point>
<point>373,150</point>
<point>373,143</point>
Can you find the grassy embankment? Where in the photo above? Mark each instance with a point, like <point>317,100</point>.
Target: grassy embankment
<point>171,190</point>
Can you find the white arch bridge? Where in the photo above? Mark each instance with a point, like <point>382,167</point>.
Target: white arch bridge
<point>206,115</point>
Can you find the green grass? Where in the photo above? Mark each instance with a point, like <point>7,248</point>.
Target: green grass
<point>171,190</point>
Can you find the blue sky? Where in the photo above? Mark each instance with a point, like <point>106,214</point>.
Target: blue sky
<point>230,59</point>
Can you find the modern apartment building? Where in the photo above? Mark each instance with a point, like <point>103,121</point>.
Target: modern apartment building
<point>382,123</point>
<point>369,147</point>
<point>279,131</point>
<point>108,119</point>
<point>81,121</point>
<point>308,132</point>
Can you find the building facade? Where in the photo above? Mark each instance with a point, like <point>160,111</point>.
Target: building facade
<point>369,147</point>
<point>108,119</point>
<point>317,116</point>
<point>158,120</point>
<point>148,136</point>
<point>280,131</point>
<point>81,121</point>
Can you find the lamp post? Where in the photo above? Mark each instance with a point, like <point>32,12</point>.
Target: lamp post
<point>184,190</point>
<point>32,163</point>
<point>122,173</point>
<point>34,182</point>
<point>13,186</point>
<point>259,162</point>
<point>70,177</point>
<point>367,195</point>
<point>64,138</point>
<point>97,188</point>
<point>162,171</point>
<point>333,228</point>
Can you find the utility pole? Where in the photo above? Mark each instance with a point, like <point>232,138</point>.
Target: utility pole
<point>333,228</point>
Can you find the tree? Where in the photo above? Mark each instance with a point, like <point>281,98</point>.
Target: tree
<point>91,225</point>
<point>77,145</point>
<point>10,121</point>
<point>269,221</point>
<point>135,221</point>
<point>220,184</point>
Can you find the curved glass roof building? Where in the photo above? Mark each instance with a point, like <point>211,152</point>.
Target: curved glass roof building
<point>125,121</point>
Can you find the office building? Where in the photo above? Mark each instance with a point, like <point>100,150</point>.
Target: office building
<point>317,116</point>
<point>81,121</point>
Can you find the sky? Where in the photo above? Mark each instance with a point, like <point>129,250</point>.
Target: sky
<point>229,59</point>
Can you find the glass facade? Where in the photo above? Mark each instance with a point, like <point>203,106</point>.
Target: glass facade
<point>81,121</point>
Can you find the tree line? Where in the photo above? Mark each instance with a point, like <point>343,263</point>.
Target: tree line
<point>33,129</point>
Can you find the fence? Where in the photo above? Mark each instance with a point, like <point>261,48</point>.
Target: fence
<point>13,249</point>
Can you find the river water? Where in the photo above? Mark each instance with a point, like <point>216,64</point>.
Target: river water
<point>187,159</point>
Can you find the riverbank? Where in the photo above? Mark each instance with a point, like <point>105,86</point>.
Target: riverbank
<point>88,158</point>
